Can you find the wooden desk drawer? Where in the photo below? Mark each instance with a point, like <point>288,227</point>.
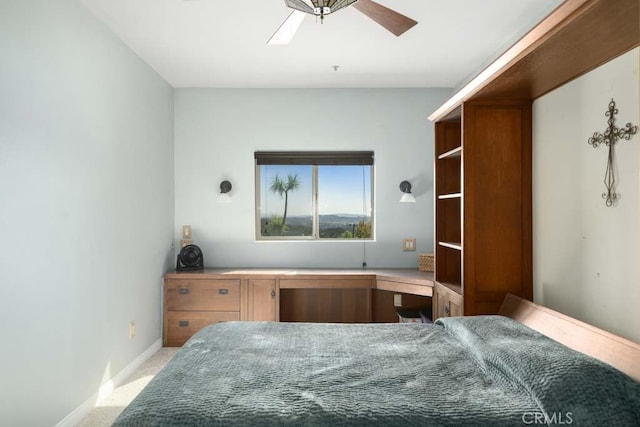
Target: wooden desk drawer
<point>181,325</point>
<point>325,283</point>
<point>201,295</point>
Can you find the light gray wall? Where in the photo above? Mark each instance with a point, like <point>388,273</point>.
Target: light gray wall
<point>217,132</point>
<point>586,254</point>
<point>86,207</point>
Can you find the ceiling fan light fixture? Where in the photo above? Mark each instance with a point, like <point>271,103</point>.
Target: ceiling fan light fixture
<point>318,7</point>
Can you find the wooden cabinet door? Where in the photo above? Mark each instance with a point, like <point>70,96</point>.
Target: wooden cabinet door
<point>263,300</point>
<point>440,303</point>
<point>497,204</point>
<point>446,303</point>
<point>455,307</point>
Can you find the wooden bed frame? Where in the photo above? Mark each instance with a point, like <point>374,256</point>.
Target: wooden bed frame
<point>616,351</point>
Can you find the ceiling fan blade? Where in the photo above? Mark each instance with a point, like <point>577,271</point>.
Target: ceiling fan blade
<point>393,21</point>
<point>284,34</point>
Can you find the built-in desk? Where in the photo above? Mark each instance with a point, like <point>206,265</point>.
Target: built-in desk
<point>195,299</point>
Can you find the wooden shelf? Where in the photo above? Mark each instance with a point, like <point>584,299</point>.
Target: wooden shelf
<point>451,245</point>
<point>456,152</point>
<point>450,196</point>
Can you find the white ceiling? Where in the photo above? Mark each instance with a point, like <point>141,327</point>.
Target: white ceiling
<point>222,43</point>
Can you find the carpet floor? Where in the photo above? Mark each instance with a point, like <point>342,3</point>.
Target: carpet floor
<point>107,410</point>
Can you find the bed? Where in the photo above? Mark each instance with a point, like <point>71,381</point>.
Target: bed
<point>461,371</point>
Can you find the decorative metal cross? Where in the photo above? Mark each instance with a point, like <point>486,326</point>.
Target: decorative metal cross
<point>609,138</point>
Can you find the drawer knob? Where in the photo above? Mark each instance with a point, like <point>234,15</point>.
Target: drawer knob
<point>184,323</point>
<point>184,291</point>
<point>223,291</point>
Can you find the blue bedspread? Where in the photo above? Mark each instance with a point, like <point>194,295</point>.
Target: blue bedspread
<point>467,371</point>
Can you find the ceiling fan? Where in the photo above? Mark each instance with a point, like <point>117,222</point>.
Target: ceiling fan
<point>389,19</point>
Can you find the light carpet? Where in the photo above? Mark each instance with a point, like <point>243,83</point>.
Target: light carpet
<point>107,410</point>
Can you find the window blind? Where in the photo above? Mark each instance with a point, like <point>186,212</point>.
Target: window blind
<point>332,158</point>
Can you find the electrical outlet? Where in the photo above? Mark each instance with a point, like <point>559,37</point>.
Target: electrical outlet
<point>132,329</point>
<point>397,300</point>
<point>409,244</point>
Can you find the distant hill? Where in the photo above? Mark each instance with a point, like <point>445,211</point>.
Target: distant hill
<point>328,221</point>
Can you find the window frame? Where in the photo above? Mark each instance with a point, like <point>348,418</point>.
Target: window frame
<point>313,159</point>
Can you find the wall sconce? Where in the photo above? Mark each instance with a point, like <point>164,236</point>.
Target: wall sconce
<point>407,197</point>
<point>225,188</point>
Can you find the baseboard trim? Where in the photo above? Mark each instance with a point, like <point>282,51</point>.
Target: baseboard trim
<point>107,388</point>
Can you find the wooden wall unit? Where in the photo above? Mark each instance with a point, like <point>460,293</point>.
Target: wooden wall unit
<point>193,300</point>
<point>483,204</point>
<point>483,151</point>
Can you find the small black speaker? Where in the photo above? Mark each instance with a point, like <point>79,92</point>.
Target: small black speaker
<point>190,258</point>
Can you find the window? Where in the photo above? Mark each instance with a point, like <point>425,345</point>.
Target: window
<point>314,195</point>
